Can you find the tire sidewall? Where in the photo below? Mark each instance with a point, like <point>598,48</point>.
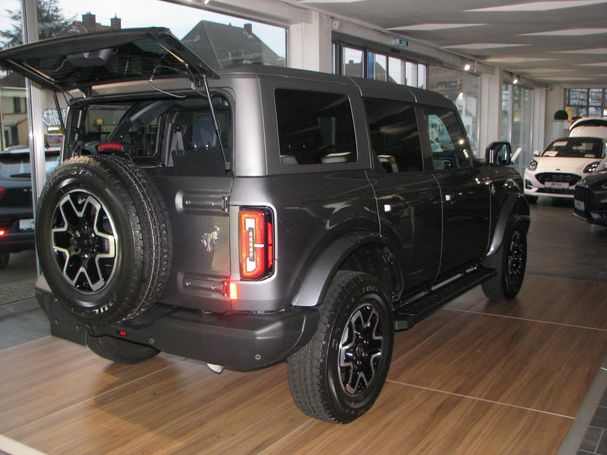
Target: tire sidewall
<point>351,407</point>
<point>77,176</point>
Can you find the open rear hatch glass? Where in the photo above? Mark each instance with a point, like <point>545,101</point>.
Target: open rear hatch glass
<point>82,61</point>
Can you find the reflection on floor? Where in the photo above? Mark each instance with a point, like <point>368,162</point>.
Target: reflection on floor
<point>475,377</point>
<point>17,280</point>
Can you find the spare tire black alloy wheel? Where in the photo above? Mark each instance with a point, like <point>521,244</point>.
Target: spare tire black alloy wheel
<point>84,241</point>
<point>103,239</point>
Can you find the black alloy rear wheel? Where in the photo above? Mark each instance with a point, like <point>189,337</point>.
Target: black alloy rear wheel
<point>339,374</point>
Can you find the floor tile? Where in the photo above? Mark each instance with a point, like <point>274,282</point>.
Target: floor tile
<point>50,374</point>
<point>556,300</point>
<point>414,421</point>
<point>591,439</point>
<point>508,360</point>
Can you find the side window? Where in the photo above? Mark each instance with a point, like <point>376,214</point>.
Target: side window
<point>314,127</point>
<point>450,149</point>
<point>394,135</point>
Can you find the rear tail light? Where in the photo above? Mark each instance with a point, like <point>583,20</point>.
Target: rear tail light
<point>256,232</point>
<point>2,192</point>
<point>110,147</point>
<point>3,232</point>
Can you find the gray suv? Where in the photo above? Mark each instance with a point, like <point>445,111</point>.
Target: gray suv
<point>253,215</point>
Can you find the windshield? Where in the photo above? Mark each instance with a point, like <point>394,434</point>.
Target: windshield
<point>576,147</point>
<point>17,165</point>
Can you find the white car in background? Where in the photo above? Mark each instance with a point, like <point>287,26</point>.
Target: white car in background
<point>589,127</point>
<point>564,162</point>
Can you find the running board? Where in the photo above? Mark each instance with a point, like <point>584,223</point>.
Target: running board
<point>407,313</point>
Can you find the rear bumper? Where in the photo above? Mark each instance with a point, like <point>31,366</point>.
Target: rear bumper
<point>237,341</point>
<point>17,241</point>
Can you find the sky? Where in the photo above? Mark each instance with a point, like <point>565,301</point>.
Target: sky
<point>146,13</point>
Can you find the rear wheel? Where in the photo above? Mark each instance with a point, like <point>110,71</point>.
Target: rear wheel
<point>339,374</point>
<point>120,351</point>
<point>509,263</point>
<point>4,257</point>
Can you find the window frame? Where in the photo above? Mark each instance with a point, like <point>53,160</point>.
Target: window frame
<point>338,63</point>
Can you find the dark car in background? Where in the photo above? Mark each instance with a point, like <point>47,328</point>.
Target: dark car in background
<point>591,196</point>
<point>16,214</point>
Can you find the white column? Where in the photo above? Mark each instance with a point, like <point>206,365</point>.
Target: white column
<point>555,101</point>
<point>310,44</point>
<point>35,101</point>
<point>539,119</point>
<point>490,118</point>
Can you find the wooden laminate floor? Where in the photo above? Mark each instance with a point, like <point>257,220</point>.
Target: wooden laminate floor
<point>477,377</point>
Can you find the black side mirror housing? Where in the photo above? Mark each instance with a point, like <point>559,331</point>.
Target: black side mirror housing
<point>498,154</point>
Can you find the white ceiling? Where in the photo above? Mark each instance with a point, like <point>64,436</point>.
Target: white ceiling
<point>548,41</point>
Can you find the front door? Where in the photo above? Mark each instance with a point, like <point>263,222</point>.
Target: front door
<point>465,192</point>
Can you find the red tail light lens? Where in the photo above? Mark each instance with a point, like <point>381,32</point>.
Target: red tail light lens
<point>256,243</point>
<point>110,147</point>
<point>3,232</point>
<point>2,192</point>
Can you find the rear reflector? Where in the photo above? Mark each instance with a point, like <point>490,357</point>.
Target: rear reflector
<point>233,295</point>
<point>256,243</point>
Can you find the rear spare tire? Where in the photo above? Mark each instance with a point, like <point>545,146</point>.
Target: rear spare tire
<point>120,351</point>
<point>103,238</point>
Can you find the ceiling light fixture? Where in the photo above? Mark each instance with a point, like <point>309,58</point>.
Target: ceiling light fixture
<point>467,67</point>
<point>516,79</point>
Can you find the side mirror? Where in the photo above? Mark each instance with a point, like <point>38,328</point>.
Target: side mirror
<point>498,154</point>
<point>536,153</point>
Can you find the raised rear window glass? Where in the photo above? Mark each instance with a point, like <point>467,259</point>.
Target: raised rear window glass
<point>314,127</point>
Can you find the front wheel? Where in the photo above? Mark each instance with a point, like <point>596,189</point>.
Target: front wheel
<point>339,374</point>
<point>509,262</point>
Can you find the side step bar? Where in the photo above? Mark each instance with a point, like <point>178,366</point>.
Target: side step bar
<point>407,313</point>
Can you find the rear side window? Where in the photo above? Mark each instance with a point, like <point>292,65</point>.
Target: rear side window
<point>314,127</point>
<point>394,135</point>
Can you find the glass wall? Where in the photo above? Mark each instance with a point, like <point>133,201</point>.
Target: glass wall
<point>587,101</point>
<point>464,90</point>
<point>517,121</point>
<point>13,97</point>
<point>371,64</point>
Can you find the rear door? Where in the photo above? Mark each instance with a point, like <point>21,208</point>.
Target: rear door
<point>408,197</point>
<point>465,191</point>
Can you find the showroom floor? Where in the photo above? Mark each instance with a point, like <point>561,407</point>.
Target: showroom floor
<point>475,377</point>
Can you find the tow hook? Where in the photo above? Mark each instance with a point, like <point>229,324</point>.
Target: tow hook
<point>215,368</point>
